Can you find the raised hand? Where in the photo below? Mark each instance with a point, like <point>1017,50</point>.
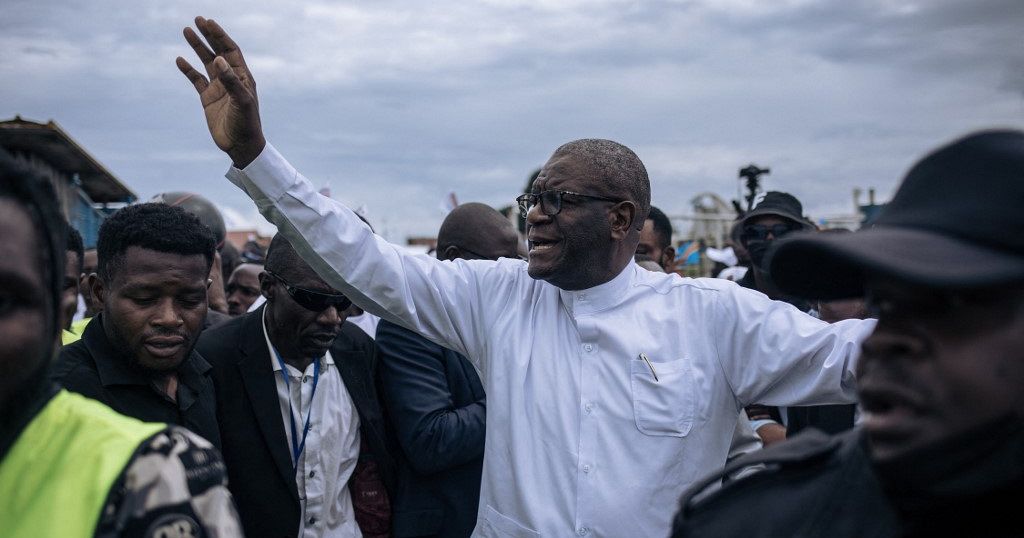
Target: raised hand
<point>228,96</point>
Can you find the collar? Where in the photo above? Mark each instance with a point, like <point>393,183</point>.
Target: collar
<point>326,361</point>
<point>602,296</point>
<point>112,363</point>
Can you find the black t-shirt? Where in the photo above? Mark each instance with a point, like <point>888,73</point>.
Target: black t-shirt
<point>94,368</point>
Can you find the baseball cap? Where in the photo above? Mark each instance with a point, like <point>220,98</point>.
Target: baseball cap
<point>780,204</point>
<point>956,221</point>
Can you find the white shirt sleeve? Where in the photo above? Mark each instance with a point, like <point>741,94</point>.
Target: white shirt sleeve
<point>774,354</point>
<point>440,300</point>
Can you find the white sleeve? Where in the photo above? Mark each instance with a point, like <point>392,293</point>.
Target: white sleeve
<point>774,354</point>
<point>440,300</point>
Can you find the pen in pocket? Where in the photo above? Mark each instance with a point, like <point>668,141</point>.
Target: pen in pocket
<point>649,365</point>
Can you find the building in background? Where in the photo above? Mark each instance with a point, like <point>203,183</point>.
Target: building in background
<point>88,192</point>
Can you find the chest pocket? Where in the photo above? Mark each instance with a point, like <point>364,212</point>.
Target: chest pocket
<point>663,406</point>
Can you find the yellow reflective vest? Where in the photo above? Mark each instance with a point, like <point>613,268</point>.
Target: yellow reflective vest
<point>56,477</point>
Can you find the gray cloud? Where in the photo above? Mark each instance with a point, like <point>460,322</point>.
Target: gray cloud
<point>396,103</point>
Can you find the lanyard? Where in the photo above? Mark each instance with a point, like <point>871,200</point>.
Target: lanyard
<point>298,446</point>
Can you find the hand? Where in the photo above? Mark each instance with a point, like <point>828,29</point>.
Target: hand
<point>229,96</point>
<point>772,433</point>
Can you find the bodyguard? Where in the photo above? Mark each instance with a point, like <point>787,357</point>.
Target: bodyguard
<point>941,448</point>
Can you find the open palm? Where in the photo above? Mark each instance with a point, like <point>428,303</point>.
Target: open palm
<point>228,96</point>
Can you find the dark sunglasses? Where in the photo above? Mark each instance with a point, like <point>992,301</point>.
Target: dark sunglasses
<point>551,201</point>
<point>759,232</point>
<point>315,301</point>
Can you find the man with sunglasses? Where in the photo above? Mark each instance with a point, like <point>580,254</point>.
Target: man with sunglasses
<point>301,429</point>
<point>610,388</point>
<point>940,449</point>
<point>778,215</point>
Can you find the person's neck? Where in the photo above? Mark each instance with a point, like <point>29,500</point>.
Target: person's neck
<point>168,384</point>
<point>765,284</point>
<point>289,353</point>
<point>295,360</point>
<point>21,407</point>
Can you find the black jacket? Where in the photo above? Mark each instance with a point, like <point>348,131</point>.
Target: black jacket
<point>95,368</point>
<point>435,408</point>
<point>818,486</point>
<point>255,448</point>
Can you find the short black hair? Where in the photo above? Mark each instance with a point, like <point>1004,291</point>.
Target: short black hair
<point>662,226</point>
<point>615,164</point>
<point>75,244</point>
<point>152,226</point>
<point>283,260</point>
<point>35,194</point>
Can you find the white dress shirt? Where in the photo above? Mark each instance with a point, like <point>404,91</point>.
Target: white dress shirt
<point>581,438</point>
<point>332,444</point>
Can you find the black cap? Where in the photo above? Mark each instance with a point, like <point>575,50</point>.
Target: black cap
<point>957,221</point>
<point>780,204</point>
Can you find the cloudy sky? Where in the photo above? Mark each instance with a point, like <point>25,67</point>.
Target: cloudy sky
<point>395,103</point>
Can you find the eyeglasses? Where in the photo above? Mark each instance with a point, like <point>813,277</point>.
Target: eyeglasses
<point>315,301</point>
<point>759,232</point>
<point>551,201</point>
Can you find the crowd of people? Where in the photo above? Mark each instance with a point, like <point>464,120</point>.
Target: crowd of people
<point>562,382</point>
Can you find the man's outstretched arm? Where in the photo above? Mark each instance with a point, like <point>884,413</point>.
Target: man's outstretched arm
<point>439,300</point>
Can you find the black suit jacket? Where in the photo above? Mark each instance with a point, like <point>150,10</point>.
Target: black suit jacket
<point>436,411</point>
<point>255,448</point>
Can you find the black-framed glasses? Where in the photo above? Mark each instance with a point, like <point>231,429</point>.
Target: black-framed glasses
<point>316,301</point>
<point>759,232</point>
<point>551,201</point>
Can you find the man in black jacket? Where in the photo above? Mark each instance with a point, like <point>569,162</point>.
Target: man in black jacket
<point>301,430</point>
<point>941,449</point>
<point>136,355</point>
<point>434,399</point>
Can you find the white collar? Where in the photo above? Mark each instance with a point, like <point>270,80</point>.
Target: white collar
<point>602,296</point>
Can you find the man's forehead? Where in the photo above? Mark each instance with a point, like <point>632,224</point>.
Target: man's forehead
<point>246,271</point>
<point>306,278</point>
<point>147,264</point>
<point>769,220</point>
<point>561,168</point>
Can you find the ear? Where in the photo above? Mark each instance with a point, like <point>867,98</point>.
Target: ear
<point>621,217</point>
<point>668,256</point>
<point>98,288</point>
<point>266,285</point>
<point>451,252</point>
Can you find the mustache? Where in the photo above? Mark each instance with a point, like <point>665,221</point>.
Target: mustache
<point>166,333</point>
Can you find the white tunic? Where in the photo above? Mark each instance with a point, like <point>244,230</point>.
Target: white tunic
<point>581,437</point>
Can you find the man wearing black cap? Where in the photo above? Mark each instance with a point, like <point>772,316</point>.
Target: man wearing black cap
<point>777,215</point>
<point>941,448</point>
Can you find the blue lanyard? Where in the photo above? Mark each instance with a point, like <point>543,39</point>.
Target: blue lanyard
<point>298,446</point>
